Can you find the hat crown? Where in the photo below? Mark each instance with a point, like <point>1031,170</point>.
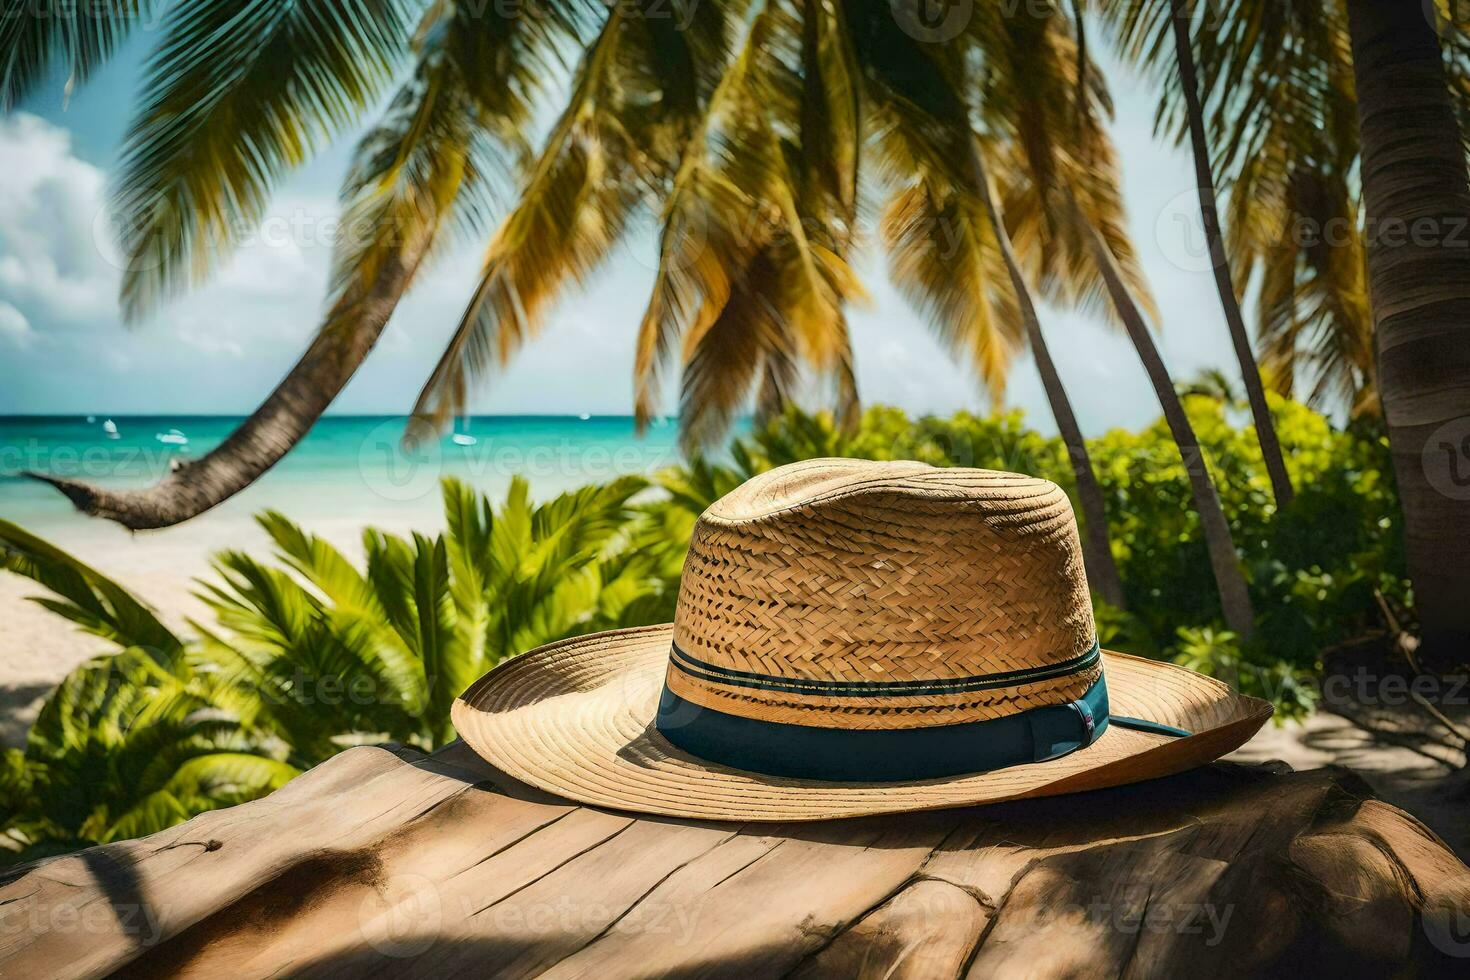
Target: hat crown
<point>852,594</point>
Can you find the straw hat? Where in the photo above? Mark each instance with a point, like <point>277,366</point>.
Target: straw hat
<point>854,638</point>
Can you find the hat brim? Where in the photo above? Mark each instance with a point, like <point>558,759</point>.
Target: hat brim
<point>575,718</point>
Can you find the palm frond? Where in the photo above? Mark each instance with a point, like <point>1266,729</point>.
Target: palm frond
<point>727,352</point>
<point>943,257</point>
<point>91,600</point>
<point>320,564</point>
<point>1281,111</point>
<point>236,95</point>
<point>566,220</point>
<point>1293,214</point>
<point>1053,150</point>
<point>635,96</point>
<point>1454,32</point>
<point>80,37</point>
<point>757,228</point>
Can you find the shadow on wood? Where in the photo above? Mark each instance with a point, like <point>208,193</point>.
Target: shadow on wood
<point>401,865</point>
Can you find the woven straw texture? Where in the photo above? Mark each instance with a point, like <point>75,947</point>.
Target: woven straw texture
<point>839,570</point>
<point>854,574</point>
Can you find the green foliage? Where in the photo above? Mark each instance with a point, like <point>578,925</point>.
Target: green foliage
<point>308,655</point>
<point>1220,654</point>
<point>125,745</point>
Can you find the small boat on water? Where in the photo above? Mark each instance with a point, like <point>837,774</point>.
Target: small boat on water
<point>109,429</point>
<point>462,437</point>
<point>173,437</point>
<point>584,416</point>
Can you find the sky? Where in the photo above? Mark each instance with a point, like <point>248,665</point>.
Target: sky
<point>221,348</point>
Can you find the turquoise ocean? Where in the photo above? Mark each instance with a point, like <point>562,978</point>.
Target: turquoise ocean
<point>347,467</point>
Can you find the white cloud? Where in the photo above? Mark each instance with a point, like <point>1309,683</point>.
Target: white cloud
<point>205,337</point>
<point>60,271</point>
<point>14,326</point>
<point>50,205</point>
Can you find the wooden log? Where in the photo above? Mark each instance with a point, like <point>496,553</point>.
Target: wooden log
<point>397,865</point>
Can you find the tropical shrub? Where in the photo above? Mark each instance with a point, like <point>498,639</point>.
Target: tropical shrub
<point>307,655</point>
<point>126,744</point>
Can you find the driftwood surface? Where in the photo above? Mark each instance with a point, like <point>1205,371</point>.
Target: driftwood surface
<point>378,863</point>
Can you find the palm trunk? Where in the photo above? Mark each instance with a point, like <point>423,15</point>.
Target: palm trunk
<point>1417,193</point>
<point>353,327</point>
<point>1224,282</point>
<point>1097,552</point>
<point>1235,600</point>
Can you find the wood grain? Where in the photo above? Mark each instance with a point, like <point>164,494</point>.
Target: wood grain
<point>378,863</point>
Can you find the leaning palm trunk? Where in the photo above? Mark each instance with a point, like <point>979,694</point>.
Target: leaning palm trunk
<point>1235,599</point>
<point>287,414</point>
<point>1224,281</point>
<point>1097,552</point>
<point>1418,198</point>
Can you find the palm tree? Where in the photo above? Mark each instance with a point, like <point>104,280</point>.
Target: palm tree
<point>1067,212</point>
<point>1407,154</point>
<point>1417,196</point>
<point>757,169</point>
<point>1065,207</point>
<point>1026,93</point>
<point>718,291</point>
<point>1295,211</point>
<point>1288,141</point>
<point>1235,601</point>
<point>1220,261</point>
<point>275,92</point>
<point>1102,568</point>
